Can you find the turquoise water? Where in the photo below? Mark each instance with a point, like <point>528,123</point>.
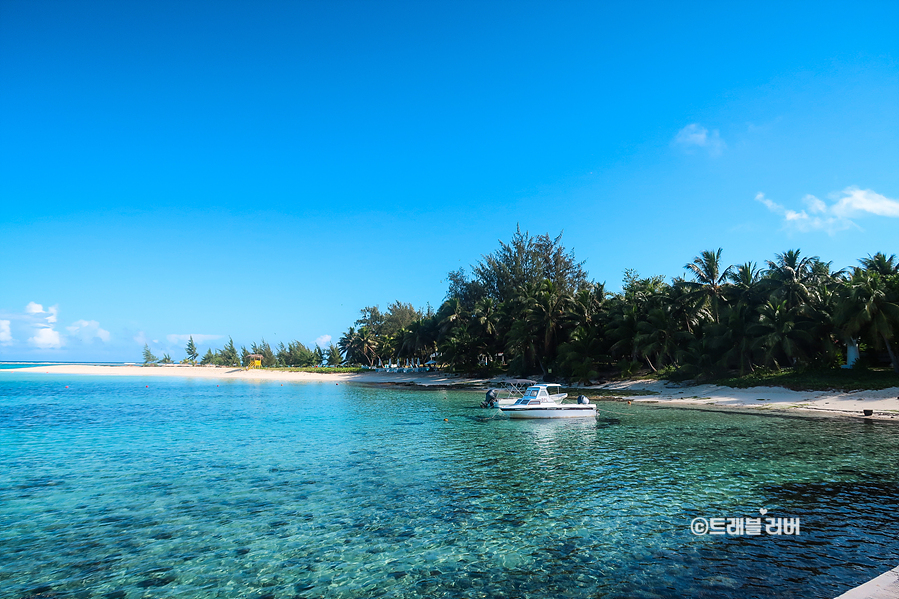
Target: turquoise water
<point>127,487</point>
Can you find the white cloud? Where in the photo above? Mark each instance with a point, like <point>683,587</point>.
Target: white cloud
<point>323,341</point>
<point>88,330</point>
<point>140,338</point>
<point>818,216</point>
<point>35,308</point>
<point>46,338</point>
<point>858,201</point>
<point>5,333</point>
<point>815,206</point>
<point>696,136</point>
<point>182,339</point>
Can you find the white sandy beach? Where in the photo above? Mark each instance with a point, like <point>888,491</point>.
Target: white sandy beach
<point>222,372</point>
<point>884,403</point>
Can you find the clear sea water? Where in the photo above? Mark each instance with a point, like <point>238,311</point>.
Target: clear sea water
<point>129,487</point>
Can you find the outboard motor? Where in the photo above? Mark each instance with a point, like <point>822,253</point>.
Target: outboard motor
<point>490,400</point>
<point>582,399</point>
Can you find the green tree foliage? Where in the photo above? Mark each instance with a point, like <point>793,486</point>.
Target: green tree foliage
<point>527,260</point>
<point>529,308</point>
<point>264,350</point>
<point>294,354</point>
<point>359,346</point>
<point>318,356</point>
<point>334,357</point>
<point>398,317</point>
<point>149,358</point>
<point>867,309</point>
<point>228,356</point>
<point>191,350</point>
<point>166,359</point>
<point>208,357</point>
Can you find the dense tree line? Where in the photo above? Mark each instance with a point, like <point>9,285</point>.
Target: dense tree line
<point>531,306</point>
<point>294,354</point>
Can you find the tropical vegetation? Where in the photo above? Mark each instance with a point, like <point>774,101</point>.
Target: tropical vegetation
<point>530,308</point>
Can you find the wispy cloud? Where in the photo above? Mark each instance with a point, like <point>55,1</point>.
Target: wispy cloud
<point>88,330</point>
<point>5,333</point>
<point>817,215</point>
<point>696,136</point>
<point>859,201</point>
<point>35,308</point>
<point>198,338</point>
<point>323,341</point>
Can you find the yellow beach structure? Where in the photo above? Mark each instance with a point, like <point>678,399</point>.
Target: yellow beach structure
<point>255,361</point>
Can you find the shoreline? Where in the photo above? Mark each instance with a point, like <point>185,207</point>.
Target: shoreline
<point>883,402</point>
<point>418,379</point>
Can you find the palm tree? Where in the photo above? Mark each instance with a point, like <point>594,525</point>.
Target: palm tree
<point>368,345</point>
<point>578,356</point>
<point>865,310</point>
<point>709,278</point>
<point>789,277</point>
<point>450,315</point>
<point>550,312</point>
<point>349,345</point>
<point>780,332</point>
<point>658,336</point>
<point>738,322</point>
<point>745,279</point>
<point>881,264</point>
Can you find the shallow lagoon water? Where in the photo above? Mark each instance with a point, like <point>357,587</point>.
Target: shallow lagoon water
<point>112,488</point>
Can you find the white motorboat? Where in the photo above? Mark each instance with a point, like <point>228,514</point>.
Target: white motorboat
<point>513,388</point>
<point>545,401</point>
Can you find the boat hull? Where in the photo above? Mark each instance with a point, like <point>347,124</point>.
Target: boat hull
<point>567,411</point>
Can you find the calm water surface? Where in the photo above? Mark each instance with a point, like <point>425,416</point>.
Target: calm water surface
<point>112,488</point>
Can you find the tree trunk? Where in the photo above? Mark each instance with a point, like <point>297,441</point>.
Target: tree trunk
<point>892,355</point>
<point>650,364</point>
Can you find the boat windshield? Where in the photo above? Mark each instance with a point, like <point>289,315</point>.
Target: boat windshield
<point>532,393</point>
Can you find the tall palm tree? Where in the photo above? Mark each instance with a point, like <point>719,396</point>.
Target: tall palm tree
<point>658,337</point>
<point>348,344</point>
<point>551,312</point>
<point>789,277</point>
<point>450,315</point>
<point>780,333</point>
<point>865,310</point>
<point>368,345</point>
<point>709,278</point>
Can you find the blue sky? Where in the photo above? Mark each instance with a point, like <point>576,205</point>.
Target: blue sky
<point>265,169</point>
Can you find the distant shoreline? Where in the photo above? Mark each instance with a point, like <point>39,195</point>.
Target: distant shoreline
<point>884,403</point>
<point>238,373</point>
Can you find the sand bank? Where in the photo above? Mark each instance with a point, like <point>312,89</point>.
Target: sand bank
<point>425,379</point>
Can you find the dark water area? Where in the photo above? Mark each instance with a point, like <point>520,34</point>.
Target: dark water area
<point>133,487</point>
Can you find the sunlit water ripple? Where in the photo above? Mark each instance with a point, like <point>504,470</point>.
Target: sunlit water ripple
<point>110,488</point>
